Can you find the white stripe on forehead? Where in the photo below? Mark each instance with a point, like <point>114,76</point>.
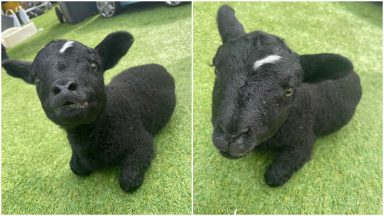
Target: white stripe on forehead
<point>265,60</point>
<point>66,46</point>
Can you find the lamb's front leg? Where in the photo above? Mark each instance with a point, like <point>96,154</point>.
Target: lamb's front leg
<point>136,163</point>
<point>80,166</point>
<point>289,161</point>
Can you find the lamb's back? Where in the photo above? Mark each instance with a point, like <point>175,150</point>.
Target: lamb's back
<point>333,102</point>
<point>146,92</point>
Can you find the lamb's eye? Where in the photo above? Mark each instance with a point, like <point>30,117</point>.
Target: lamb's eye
<point>288,91</point>
<point>94,67</point>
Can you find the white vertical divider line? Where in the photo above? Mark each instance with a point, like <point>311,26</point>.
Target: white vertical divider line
<point>192,114</point>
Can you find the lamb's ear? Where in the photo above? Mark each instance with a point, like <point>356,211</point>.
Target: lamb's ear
<point>15,68</point>
<point>113,47</point>
<point>229,26</point>
<point>324,66</point>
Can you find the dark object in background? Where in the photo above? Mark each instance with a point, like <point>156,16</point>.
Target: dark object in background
<point>75,12</point>
<point>107,126</point>
<point>267,96</point>
<point>35,9</point>
<point>22,11</point>
<point>112,8</point>
<point>59,15</point>
<point>6,22</point>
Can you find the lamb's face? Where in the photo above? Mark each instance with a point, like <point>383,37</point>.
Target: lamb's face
<point>69,81</point>
<point>256,78</point>
<point>69,76</point>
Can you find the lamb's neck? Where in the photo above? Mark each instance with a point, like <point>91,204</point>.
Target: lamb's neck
<point>85,129</point>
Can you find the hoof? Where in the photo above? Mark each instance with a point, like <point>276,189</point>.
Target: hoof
<point>80,172</point>
<point>129,184</point>
<point>276,177</point>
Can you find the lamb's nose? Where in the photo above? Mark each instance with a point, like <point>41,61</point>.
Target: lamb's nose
<point>240,132</point>
<point>63,85</point>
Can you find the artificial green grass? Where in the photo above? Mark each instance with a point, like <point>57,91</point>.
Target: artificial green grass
<point>36,178</point>
<point>345,173</point>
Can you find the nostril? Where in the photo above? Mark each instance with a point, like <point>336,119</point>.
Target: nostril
<point>62,86</point>
<point>56,90</point>
<point>241,132</point>
<point>72,86</point>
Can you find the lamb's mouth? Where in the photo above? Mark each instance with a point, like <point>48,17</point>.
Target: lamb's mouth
<point>72,105</point>
<point>71,109</point>
<point>232,146</point>
<point>230,156</point>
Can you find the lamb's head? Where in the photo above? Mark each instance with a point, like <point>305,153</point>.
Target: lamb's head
<point>256,78</point>
<point>69,77</point>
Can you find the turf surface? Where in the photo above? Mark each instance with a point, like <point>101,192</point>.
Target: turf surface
<point>36,178</point>
<point>345,173</point>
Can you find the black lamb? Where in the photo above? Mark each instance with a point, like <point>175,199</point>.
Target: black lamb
<point>267,96</point>
<point>106,125</point>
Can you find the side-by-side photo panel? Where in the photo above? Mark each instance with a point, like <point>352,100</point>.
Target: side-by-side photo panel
<point>96,108</point>
<point>287,108</point>
<point>187,108</point>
